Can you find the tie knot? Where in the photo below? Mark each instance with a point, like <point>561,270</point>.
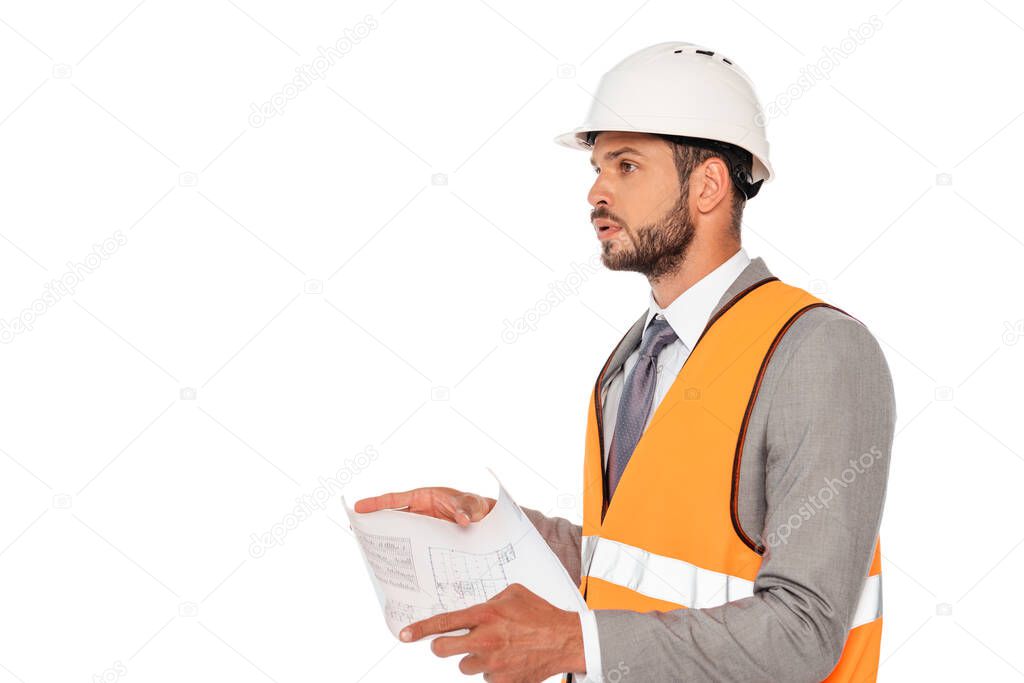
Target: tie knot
<point>657,336</point>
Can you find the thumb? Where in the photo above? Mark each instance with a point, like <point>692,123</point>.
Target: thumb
<point>470,508</point>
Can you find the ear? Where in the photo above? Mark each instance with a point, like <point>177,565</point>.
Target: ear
<point>713,184</point>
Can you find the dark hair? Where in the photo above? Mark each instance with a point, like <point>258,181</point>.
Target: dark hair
<point>689,153</point>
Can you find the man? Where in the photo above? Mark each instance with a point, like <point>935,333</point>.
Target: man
<point>738,437</point>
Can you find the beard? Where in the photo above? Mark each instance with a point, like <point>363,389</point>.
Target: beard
<point>655,249</point>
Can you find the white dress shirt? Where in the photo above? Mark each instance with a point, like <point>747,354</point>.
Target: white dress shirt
<point>687,315</point>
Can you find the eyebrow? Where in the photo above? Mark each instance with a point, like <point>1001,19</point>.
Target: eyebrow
<point>617,153</point>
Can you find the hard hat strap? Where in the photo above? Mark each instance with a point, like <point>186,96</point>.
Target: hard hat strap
<point>738,160</point>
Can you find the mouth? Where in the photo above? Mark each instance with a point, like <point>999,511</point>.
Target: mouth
<point>606,230</point>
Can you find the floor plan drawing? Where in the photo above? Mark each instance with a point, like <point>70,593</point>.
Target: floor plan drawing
<point>464,579</point>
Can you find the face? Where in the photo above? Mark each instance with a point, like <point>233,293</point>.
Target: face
<point>641,212</point>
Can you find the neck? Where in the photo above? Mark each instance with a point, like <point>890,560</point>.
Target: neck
<point>700,260</point>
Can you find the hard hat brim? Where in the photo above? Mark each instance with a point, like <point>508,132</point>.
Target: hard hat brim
<point>574,139</point>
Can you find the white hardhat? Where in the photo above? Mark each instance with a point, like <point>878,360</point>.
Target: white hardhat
<point>683,90</point>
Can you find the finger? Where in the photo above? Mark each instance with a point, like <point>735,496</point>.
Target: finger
<point>441,623</point>
<point>384,501</point>
<point>469,508</point>
<point>462,514</point>
<point>472,665</point>
<point>448,505</point>
<point>446,646</point>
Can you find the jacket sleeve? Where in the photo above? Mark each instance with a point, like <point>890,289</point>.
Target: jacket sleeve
<point>833,402</point>
<point>563,537</point>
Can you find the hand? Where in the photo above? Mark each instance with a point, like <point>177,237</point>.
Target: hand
<point>434,501</point>
<point>515,637</point>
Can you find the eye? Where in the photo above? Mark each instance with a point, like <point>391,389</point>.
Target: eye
<point>622,165</point>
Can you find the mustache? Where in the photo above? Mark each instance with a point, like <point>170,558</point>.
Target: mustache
<point>599,213</point>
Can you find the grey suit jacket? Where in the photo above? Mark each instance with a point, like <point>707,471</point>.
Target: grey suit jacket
<point>826,398</point>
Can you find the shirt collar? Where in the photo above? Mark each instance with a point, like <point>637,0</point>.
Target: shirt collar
<point>689,312</point>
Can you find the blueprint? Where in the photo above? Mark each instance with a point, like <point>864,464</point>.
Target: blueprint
<point>420,566</point>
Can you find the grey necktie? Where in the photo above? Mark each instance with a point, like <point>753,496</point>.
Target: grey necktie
<point>637,398</point>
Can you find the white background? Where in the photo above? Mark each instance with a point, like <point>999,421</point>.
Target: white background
<point>128,512</point>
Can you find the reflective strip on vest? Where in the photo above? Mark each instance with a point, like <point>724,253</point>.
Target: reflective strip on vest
<point>678,581</point>
<point>869,607</point>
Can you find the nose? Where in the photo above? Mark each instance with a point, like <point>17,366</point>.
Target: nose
<point>600,191</point>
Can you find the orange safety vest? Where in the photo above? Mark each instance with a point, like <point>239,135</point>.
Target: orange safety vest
<point>671,537</point>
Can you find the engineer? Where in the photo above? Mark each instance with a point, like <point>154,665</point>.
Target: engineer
<point>738,436</point>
